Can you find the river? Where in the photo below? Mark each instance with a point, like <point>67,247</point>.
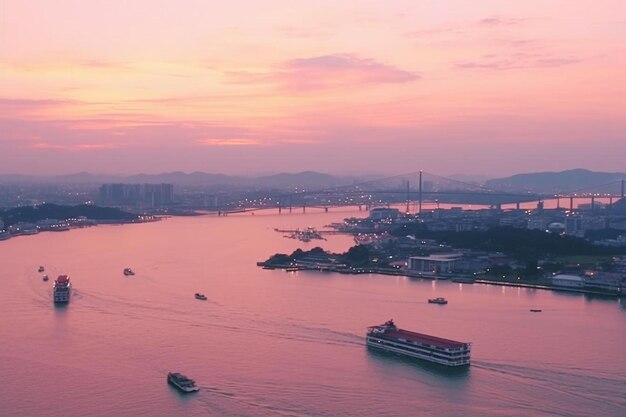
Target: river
<point>272,343</point>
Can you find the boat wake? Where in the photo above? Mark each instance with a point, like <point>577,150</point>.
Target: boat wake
<point>576,384</point>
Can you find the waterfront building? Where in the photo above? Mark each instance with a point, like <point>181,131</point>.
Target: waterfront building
<point>384,213</point>
<point>434,264</point>
<point>537,224</point>
<point>568,281</point>
<point>609,281</point>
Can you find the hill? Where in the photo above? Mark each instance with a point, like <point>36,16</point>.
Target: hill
<point>558,182</point>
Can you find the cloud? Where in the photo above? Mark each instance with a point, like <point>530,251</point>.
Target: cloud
<point>516,61</point>
<point>228,142</point>
<point>326,72</point>
<point>500,21</point>
<point>76,147</point>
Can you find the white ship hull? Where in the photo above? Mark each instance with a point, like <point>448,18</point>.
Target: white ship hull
<point>446,357</point>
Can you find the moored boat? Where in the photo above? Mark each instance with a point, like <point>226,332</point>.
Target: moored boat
<point>181,382</point>
<point>434,349</point>
<point>62,289</point>
<point>438,300</point>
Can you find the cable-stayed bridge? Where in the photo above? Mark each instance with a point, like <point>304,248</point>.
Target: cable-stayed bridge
<point>416,189</point>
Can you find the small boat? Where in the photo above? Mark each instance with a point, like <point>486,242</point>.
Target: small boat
<point>41,269</point>
<point>45,278</point>
<point>535,310</point>
<point>128,271</point>
<point>181,382</point>
<point>293,269</point>
<point>200,296</point>
<point>438,300</point>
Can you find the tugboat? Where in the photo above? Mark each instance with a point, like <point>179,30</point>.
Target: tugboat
<point>128,271</point>
<point>438,300</point>
<point>200,296</point>
<point>41,269</point>
<point>181,382</point>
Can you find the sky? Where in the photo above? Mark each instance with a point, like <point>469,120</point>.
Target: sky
<point>346,87</point>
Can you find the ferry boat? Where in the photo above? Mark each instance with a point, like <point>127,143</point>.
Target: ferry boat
<point>62,289</point>
<point>200,296</point>
<point>128,271</point>
<point>417,345</point>
<point>181,382</point>
<point>438,300</point>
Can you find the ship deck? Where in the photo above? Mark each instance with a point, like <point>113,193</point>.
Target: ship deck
<point>421,338</point>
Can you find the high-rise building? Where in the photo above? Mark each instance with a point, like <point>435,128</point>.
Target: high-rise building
<point>137,195</point>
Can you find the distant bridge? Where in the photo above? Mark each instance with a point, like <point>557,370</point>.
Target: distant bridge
<point>430,188</point>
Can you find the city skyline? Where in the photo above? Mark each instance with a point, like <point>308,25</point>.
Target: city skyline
<point>492,89</point>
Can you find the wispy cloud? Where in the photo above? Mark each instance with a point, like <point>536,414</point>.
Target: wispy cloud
<point>23,103</point>
<point>77,147</point>
<point>325,72</point>
<point>502,62</point>
<point>500,21</point>
<point>228,142</point>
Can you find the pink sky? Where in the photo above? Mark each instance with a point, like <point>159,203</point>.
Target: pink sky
<point>243,87</point>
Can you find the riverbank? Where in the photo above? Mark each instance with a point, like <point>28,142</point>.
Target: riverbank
<point>459,278</point>
<point>67,225</point>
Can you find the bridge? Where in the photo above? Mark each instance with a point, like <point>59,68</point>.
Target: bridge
<point>416,189</point>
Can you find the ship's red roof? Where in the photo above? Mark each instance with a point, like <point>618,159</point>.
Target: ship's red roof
<point>423,338</point>
<point>63,279</point>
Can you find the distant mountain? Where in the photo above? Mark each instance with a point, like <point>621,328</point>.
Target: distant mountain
<point>306,180</point>
<point>472,179</point>
<point>564,181</point>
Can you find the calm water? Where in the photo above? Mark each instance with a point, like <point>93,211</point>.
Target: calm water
<point>271,343</point>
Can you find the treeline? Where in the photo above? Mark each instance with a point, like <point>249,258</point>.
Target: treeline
<point>32,214</point>
<point>516,242</point>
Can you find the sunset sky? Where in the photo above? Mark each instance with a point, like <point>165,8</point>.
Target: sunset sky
<point>248,87</point>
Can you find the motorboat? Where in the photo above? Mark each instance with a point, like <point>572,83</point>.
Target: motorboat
<point>200,296</point>
<point>128,271</point>
<point>45,278</point>
<point>438,300</point>
<point>41,269</point>
<point>181,382</point>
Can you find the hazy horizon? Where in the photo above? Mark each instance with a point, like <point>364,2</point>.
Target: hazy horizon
<point>490,88</point>
<point>456,175</point>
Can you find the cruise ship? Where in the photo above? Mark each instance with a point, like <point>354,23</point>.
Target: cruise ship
<point>181,382</point>
<point>62,289</point>
<point>416,345</point>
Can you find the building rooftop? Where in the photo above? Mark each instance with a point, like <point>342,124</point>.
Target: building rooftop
<point>568,277</point>
<point>421,338</point>
<point>446,257</point>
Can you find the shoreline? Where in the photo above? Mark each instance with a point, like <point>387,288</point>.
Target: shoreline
<point>463,279</point>
<point>91,223</point>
